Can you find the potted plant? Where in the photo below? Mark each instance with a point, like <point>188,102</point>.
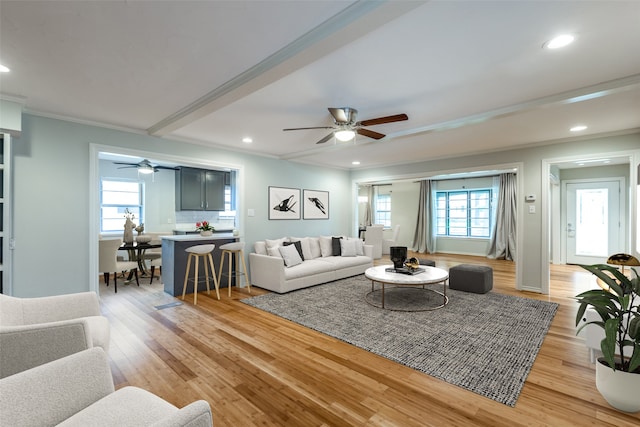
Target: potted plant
<point>617,304</point>
<point>205,228</point>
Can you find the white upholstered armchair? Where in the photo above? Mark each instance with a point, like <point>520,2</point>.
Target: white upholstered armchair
<point>78,390</point>
<point>34,331</point>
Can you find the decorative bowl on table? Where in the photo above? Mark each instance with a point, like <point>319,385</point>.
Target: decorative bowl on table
<point>143,238</point>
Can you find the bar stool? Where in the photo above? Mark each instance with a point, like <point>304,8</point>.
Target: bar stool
<point>231,249</point>
<point>195,252</point>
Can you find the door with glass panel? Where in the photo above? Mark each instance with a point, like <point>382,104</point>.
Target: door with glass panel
<point>595,221</point>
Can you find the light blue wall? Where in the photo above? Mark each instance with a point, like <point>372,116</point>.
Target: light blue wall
<point>52,195</point>
<point>52,187</point>
<point>531,269</point>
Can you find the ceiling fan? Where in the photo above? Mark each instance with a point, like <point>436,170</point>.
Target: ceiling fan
<point>346,126</point>
<point>144,166</point>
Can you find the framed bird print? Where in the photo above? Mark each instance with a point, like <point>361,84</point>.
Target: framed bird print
<point>315,204</point>
<point>284,203</point>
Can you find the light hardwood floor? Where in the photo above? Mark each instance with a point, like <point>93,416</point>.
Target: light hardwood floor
<point>257,369</point>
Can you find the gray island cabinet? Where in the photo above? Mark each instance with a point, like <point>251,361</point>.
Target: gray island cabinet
<point>174,261</point>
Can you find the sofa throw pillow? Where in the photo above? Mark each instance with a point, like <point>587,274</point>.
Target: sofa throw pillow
<point>336,249</point>
<point>314,246</point>
<point>306,247</point>
<point>359,245</point>
<point>260,247</point>
<point>290,255</point>
<point>347,247</point>
<point>274,251</point>
<point>272,243</point>
<point>298,246</point>
<point>326,248</point>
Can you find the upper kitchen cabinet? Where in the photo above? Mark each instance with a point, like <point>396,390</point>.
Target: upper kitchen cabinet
<point>200,189</point>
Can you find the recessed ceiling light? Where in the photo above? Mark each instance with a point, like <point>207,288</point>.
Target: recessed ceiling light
<point>247,140</point>
<point>355,163</point>
<point>578,128</point>
<point>559,41</point>
<point>4,69</point>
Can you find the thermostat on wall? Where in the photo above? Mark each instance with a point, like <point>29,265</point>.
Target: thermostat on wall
<point>530,198</point>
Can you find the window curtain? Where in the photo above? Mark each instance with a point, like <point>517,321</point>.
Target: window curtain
<point>423,239</point>
<point>368,213</point>
<point>503,237</point>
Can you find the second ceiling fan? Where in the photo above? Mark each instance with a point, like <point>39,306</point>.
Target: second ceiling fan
<point>346,126</point>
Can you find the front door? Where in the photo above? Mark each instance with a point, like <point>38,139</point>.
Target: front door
<point>594,221</point>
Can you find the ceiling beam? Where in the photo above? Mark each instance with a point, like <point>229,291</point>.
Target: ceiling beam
<point>355,21</point>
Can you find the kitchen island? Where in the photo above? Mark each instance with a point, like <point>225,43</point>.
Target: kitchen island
<point>174,260</point>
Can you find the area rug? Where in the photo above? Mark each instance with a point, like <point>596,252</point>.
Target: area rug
<point>483,343</point>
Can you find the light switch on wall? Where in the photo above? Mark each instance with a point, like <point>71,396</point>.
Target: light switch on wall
<point>532,209</point>
<point>251,212</point>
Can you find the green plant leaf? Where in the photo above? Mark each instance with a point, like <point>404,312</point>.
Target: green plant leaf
<point>619,283</point>
<point>608,344</point>
<point>634,362</point>
<point>580,314</point>
<point>634,328</point>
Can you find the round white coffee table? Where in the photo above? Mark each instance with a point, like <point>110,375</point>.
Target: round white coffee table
<point>430,275</point>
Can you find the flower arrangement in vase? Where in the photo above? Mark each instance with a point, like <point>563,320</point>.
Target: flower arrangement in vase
<point>205,228</point>
<point>129,226</point>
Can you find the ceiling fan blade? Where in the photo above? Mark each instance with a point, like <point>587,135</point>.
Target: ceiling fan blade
<point>370,133</point>
<point>315,127</point>
<point>165,167</point>
<point>127,167</point>
<point>387,119</point>
<point>339,114</point>
<point>125,163</point>
<point>325,139</point>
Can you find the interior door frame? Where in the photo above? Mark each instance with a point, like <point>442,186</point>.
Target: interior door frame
<point>622,206</point>
<point>634,165</point>
<point>94,197</point>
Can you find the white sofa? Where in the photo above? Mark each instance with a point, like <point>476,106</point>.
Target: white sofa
<point>269,269</point>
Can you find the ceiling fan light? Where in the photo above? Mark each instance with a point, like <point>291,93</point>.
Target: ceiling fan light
<point>559,41</point>
<point>145,169</point>
<point>344,135</point>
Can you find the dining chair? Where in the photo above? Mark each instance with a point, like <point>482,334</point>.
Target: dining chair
<point>387,243</point>
<point>108,262</point>
<point>373,237</point>
<point>155,262</point>
<point>153,257</point>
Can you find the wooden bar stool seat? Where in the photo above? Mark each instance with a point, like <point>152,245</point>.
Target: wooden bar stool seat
<point>231,249</point>
<point>195,253</point>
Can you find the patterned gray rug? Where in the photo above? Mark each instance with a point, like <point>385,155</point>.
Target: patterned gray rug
<point>483,343</point>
